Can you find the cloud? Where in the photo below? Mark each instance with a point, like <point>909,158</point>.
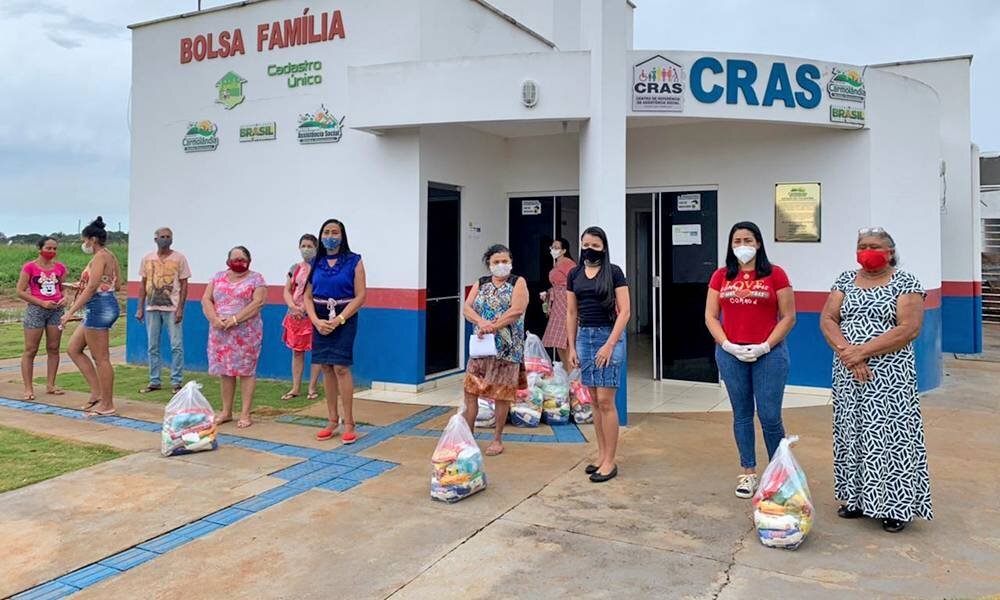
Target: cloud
<point>65,42</point>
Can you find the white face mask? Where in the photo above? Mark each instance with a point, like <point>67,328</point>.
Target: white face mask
<point>556,253</point>
<point>501,269</point>
<point>745,253</point>
<point>86,249</point>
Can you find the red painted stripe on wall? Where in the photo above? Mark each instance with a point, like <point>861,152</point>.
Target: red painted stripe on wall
<point>962,288</point>
<point>391,298</point>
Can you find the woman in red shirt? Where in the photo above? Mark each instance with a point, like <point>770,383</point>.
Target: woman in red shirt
<point>757,307</point>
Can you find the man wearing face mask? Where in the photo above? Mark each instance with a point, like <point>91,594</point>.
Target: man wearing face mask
<point>749,311</point>
<point>162,296</point>
<point>871,318</point>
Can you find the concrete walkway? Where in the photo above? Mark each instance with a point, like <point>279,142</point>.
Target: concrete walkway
<point>668,527</point>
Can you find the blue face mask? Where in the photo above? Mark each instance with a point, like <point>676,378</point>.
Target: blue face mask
<point>331,243</point>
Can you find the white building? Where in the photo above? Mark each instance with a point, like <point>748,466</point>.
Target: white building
<point>454,124</point>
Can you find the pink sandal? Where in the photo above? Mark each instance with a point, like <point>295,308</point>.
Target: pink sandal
<point>327,432</point>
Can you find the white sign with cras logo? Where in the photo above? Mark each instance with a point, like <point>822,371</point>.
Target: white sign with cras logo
<point>658,85</point>
<point>689,202</point>
<point>531,207</point>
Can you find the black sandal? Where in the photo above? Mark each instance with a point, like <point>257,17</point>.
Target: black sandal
<point>598,478</point>
<point>590,469</point>
<point>849,513</point>
<point>150,388</point>
<point>893,525</point>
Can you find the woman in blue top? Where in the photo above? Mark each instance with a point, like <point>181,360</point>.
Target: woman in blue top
<point>334,294</point>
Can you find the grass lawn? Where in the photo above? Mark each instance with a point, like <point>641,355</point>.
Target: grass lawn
<point>129,380</point>
<point>13,257</point>
<point>26,458</point>
<point>12,338</point>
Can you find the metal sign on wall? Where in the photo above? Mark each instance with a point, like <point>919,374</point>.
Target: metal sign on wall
<point>658,85</point>
<point>797,214</point>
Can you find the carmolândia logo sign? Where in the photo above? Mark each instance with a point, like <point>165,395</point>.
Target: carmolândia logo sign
<point>201,136</point>
<point>846,85</point>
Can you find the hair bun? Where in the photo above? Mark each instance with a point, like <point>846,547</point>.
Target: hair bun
<point>99,222</point>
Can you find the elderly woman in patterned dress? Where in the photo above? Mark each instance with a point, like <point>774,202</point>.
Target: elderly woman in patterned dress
<point>870,320</point>
<point>496,305</point>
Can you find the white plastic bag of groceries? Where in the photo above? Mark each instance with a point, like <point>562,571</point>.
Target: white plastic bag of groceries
<point>783,509</point>
<point>457,463</point>
<point>536,359</point>
<point>486,417</point>
<point>188,423</point>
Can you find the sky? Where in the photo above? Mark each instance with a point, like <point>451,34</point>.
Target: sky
<point>64,88</point>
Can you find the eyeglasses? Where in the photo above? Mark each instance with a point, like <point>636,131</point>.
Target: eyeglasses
<point>870,230</point>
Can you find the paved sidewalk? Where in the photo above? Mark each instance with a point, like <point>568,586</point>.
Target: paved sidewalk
<point>668,527</point>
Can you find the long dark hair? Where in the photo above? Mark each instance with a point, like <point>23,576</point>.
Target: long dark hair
<point>96,229</point>
<point>565,244</point>
<point>321,253</point>
<point>763,265</point>
<point>605,280</point>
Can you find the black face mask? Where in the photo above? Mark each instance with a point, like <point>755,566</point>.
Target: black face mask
<point>591,255</point>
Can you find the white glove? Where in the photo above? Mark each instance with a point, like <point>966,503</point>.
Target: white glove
<point>740,352</point>
<point>758,350</point>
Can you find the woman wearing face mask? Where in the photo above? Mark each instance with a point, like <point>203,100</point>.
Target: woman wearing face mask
<point>555,298</point>
<point>297,329</point>
<point>757,306</point>
<point>40,286</point>
<point>232,303</point>
<point>495,305</point>
<point>870,320</point>
<point>597,312</point>
<point>335,292</point>
<point>99,284</point>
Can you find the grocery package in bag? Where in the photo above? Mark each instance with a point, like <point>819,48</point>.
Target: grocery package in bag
<point>457,463</point>
<point>783,509</point>
<point>486,417</point>
<point>188,423</point>
<point>536,359</point>
<point>580,402</point>
<point>527,409</point>
<point>555,396</point>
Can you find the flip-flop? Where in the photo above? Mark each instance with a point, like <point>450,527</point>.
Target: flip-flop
<point>289,396</point>
<point>312,395</point>
<point>89,405</point>
<point>56,392</point>
<point>219,421</point>
<point>149,389</point>
<point>244,424</point>
<point>29,397</point>
<point>98,413</point>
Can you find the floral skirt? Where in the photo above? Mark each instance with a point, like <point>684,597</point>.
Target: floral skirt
<point>494,378</point>
<point>234,352</point>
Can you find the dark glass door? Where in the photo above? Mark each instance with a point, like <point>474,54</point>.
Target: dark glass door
<point>444,292</point>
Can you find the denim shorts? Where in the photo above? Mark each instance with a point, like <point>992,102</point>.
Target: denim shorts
<point>588,341</point>
<point>101,311</point>
<point>36,317</point>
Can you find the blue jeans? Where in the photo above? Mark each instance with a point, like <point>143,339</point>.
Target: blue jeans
<point>155,320</point>
<point>763,380</point>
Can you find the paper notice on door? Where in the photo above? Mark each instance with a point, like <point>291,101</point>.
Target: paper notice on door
<point>531,207</point>
<point>686,235</point>
<point>689,202</point>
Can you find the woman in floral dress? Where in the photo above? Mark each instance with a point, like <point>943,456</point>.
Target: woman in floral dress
<point>232,303</point>
<point>870,320</point>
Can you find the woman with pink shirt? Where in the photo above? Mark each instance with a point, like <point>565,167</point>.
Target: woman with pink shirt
<point>40,285</point>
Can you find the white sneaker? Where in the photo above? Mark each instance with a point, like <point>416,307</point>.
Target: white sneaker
<point>747,486</point>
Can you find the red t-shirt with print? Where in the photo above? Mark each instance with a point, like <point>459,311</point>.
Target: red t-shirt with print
<point>749,305</point>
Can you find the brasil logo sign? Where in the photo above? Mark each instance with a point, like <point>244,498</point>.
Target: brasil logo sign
<point>320,127</point>
<point>846,85</point>
<point>201,137</point>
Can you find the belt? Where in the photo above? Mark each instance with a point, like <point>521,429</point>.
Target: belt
<point>331,304</point>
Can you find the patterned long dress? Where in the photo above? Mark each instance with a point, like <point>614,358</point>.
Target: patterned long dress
<point>497,377</point>
<point>879,456</point>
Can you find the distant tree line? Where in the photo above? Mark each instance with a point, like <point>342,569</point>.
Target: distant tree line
<point>32,238</point>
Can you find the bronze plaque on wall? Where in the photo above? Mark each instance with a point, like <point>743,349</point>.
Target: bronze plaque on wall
<point>797,212</point>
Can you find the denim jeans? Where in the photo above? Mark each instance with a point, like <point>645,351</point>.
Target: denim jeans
<point>763,380</point>
<point>588,341</point>
<point>155,321</point>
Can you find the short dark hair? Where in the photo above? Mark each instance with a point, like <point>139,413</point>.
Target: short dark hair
<point>240,248</point>
<point>96,229</point>
<point>763,265</point>
<point>308,237</point>
<point>41,242</point>
<point>495,249</point>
